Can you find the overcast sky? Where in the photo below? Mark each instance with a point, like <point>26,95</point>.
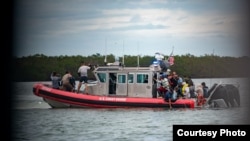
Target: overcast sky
<point>130,27</point>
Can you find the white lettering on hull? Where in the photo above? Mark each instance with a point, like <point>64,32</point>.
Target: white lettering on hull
<point>112,99</point>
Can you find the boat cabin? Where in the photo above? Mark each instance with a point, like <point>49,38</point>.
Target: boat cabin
<point>125,81</point>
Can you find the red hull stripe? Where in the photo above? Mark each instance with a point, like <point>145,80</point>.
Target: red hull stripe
<point>100,103</point>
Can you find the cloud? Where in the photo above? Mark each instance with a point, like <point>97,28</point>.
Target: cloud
<point>41,26</point>
<point>178,22</point>
<point>57,19</point>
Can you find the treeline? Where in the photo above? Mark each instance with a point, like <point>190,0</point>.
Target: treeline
<point>39,67</point>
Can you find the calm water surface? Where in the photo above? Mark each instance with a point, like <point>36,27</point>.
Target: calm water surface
<point>34,120</point>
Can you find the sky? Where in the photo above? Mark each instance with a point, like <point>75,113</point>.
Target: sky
<point>130,27</point>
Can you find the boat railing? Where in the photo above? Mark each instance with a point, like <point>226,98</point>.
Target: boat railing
<point>113,68</point>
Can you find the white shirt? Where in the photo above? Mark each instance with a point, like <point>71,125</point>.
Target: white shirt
<point>83,70</point>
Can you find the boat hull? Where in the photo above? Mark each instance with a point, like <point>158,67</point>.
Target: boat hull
<point>63,99</point>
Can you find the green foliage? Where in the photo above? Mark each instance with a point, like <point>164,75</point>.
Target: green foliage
<point>39,66</point>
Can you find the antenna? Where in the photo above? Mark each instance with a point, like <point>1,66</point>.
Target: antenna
<point>138,56</point>
<point>171,54</point>
<point>123,52</point>
<point>105,59</point>
<point>212,70</point>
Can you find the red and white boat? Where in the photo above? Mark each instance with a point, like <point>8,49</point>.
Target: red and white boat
<point>63,99</point>
<point>116,86</point>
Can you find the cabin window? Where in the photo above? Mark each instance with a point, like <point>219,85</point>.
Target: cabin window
<point>102,77</point>
<point>130,78</point>
<point>121,78</point>
<point>142,78</point>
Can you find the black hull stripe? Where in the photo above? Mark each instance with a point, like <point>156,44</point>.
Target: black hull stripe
<point>72,100</point>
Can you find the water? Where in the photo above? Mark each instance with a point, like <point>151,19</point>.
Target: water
<point>34,120</point>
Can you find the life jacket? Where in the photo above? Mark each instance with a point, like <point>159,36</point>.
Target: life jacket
<point>184,88</point>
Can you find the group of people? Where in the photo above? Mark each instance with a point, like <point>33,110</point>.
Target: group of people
<point>67,81</point>
<point>171,86</point>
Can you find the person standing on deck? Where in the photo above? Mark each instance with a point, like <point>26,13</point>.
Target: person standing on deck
<point>83,73</point>
<point>55,78</point>
<point>154,90</point>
